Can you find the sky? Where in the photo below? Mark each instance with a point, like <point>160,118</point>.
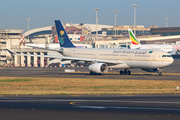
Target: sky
<point>42,13</point>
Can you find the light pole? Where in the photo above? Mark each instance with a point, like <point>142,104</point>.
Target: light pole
<point>166,21</point>
<point>96,23</point>
<point>134,17</point>
<point>28,27</point>
<point>115,11</point>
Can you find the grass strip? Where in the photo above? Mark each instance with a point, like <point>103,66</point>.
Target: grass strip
<point>48,86</point>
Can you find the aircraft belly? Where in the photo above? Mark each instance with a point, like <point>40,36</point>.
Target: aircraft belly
<point>160,64</point>
<point>139,64</point>
<point>120,66</point>
<point>133,64</point>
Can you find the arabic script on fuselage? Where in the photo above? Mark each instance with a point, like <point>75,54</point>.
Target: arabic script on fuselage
<point>129,52</point>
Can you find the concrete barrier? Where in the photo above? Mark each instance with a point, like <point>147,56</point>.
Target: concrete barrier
<point>69,70</point>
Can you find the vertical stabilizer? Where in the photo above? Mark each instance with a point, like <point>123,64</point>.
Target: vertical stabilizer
<point>134,40</point>
<point>62,35</point>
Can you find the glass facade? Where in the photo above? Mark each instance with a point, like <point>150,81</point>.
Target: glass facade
<point>99,32</point>
<point>167,33</point>
<point>10,33</point>
<point>40,33</point>
<point>125,32</point>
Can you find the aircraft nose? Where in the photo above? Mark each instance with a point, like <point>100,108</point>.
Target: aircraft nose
<point>168,62</point>
<point>171,60</point>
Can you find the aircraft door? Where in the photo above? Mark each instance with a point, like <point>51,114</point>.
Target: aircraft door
<point>129,57</point>
<point>154,57</point>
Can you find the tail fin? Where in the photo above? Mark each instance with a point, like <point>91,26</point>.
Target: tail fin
<point>62,35</point>
<point>173,52</point>
<point>134,40</point>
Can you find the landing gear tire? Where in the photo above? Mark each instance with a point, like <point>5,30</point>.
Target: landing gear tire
<point>125,72</point>
<point>95,73</point>
<point>159,73</point>
<point>121,72</point>
<point>91,73</point>
<point>129,72</point>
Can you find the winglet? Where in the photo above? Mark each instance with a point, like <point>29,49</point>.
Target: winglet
<point>62,35</point>
<point>134,40</point>
<point>10,52</point>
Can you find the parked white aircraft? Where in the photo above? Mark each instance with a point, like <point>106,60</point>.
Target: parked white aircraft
<point>102,59</point>
<point>135,44</point>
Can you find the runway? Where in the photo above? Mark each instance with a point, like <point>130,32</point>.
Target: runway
<point>83,72</point>
<point>160,106</point>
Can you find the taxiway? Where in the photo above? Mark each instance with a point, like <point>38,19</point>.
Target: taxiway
<point>161,107</point>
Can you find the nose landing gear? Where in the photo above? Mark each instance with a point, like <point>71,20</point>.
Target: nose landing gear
<point>125,72</point>
<point>159,73</point>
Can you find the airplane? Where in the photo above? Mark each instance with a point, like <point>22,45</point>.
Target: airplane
<point>100,60</point>
<point>135,44</point>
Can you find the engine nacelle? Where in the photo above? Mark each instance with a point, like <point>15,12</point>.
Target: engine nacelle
<point>150,70</point>
<point>98,67</point>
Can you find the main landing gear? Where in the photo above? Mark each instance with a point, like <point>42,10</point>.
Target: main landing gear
<point>125,72</point>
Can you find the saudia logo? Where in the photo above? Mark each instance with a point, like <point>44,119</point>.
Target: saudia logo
<point>61,38</point>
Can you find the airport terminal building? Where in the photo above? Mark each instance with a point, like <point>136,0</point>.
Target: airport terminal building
<point>9,38</point>
<point>169,31</point>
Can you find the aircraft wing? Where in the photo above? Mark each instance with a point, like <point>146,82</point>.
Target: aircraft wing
<point>72,58</point>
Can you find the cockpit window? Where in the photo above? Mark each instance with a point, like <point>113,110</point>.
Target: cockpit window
<point>166,56</point>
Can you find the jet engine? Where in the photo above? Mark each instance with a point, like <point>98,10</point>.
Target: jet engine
<point>150,70</point>
<point>98,67</point>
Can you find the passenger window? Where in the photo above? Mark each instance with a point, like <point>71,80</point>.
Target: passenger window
<point>166,56</point>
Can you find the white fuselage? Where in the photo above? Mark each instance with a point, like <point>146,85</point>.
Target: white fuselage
<point>166,48</point>
<point>55,45</point>
<point>127,58</point>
